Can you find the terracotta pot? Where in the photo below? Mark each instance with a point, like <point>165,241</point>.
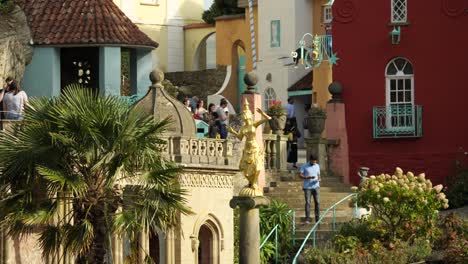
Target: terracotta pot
<point>277,124</point>
<point>316,125</point>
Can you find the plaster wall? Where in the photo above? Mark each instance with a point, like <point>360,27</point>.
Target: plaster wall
<point>193,38</point>
<point>109,70</point>
<point>144,65</point>
<point>24,250</point>
<point>208,202</point>
<point>42,75</point>
<point>439,87</point>
<point>295,20</point>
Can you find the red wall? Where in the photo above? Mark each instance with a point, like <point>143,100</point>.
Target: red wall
<point>436,42</point>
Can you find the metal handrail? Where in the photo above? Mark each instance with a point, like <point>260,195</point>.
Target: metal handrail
<point>314,228</point>
<point>275,230</point>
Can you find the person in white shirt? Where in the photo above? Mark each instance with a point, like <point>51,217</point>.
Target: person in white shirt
<point>13,99</point>
<point>290,111</point>
<point>222,120</point>
<point>310,172</point>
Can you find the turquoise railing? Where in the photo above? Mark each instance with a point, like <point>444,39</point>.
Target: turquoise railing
<point>314,228</point>
<point>275,231</point>
<point>397,121</point>
<point>132,99</point>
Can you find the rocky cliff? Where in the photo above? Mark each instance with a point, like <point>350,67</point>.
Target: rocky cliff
<point>15,49</point>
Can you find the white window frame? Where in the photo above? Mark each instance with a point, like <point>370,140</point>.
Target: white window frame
<point>149,2</point>
<point>268,98</point>
<point>400,75</point>
<point>400,17</point>
<point>327,14</point>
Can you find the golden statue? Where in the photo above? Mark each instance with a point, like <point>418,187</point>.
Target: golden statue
<point>252,160</point>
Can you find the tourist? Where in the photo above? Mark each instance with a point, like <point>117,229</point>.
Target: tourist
<point>13,99</point>
<point>222,120</point>
<point>293,134</point>
<point>290,111</point>
<point>310,172</point>
<point>187,104</point>
<point>213,131</point>
<point>193,103</point>
<point>200,112</point>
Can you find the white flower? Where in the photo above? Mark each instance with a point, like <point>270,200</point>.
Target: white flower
<point>372,177</point>
<point>438,188</point>
<point>386,200</point>
<point>354,188</point>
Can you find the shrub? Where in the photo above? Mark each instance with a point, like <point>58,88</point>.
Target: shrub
<point>457,187</point>
<point>219,8</point>
<point>404,206</point>
<point>453,239</point>
<point>317,111</point>
<point>6,6</point>
<point>356,232</point>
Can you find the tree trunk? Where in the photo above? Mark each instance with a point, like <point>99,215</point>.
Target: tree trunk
<point>98,251</point>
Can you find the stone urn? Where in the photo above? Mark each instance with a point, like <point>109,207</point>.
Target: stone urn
<point>277,124</point>
<point>316,122</point>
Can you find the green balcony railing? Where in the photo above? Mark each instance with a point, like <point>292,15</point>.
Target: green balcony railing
<point>397,121</point>
<point>132,99</point>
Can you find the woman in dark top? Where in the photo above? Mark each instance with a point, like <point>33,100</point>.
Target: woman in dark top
<point>293,134</point>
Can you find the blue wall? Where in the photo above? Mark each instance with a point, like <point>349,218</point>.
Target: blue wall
<point>109,70</point>
<point>42,75</point>
<point>141,67</point>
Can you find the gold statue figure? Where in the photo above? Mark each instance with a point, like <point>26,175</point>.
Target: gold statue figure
<point>252,160</point>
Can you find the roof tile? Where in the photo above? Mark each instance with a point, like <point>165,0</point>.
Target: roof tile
<point>75,22</point>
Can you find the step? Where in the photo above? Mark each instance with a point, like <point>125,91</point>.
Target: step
<point>299,203</point>
<point>282,189</point>
<point>300,193</point>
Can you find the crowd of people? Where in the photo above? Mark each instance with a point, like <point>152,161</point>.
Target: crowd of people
<point>217,117</point>
<point>13,100</point>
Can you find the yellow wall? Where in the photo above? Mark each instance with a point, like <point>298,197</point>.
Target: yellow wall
<point>193,37</point>
<point>229,33</point>
<point>158,34</point>
<point>323,74</point>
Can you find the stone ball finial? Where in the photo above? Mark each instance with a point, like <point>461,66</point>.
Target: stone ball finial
<point>250,80</point>
<point>156,76</point>
<point>335,88</point>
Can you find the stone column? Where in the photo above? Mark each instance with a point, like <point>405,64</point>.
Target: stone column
<point>249,228</point>
<point>255,101</point>
<point>317,146</point>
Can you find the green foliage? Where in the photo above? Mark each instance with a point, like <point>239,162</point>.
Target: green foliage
<point>220,8</point>
<point>76,149</point>
<point>277,214</point>
<point>318,112</point>
<point>457,187</point>
<point>404,206</point>
<point>454,239</point>
<point>6,6</point>
<point>276,109</point>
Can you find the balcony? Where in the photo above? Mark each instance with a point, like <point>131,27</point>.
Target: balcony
<point>397,121</point>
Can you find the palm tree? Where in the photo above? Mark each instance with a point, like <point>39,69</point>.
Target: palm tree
<point>79,149</point>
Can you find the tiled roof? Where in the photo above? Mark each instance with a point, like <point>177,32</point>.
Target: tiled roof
<point>82,22</point>
<point>303,84</point>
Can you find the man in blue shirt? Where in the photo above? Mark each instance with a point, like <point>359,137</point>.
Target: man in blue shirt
<point>310,172</point>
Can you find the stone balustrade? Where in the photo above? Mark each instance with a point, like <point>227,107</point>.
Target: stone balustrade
<point>203,151</point>
<point>275,152</point>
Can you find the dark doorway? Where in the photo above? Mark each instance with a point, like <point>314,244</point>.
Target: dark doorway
<point>205,249</point>
<point>154,247</point>
<point>80,65</point>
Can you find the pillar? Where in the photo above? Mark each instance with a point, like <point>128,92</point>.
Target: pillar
<point>109,70</point>
<point>249,227</point>
<point>42,75</point>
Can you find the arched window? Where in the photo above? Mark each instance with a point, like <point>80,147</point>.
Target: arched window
<point>269,97</point>
<point>399,11</point>
<point>400,93</point>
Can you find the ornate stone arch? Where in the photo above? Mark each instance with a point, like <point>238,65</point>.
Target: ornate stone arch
<point>211,222</point>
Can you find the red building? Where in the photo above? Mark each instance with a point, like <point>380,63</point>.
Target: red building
<point>405,95</point>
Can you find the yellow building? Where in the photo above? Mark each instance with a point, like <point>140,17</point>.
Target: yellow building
<point>165,22</point>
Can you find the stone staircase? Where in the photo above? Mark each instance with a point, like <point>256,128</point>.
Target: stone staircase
<point>288,189</point>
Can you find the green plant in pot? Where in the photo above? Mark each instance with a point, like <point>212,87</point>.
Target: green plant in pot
<point>278,117</point>
<point>316,122</point>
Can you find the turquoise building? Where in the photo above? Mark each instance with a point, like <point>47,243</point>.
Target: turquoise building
<point>88,42</point>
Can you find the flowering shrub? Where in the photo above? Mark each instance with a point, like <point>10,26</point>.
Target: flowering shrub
<point>404,206</point>
<point>276,109</point>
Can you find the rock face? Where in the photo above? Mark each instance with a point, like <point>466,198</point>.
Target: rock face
<point>15,50</point>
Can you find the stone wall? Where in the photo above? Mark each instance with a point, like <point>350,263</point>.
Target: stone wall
<point>15,51</point>
<point>197,83</point>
